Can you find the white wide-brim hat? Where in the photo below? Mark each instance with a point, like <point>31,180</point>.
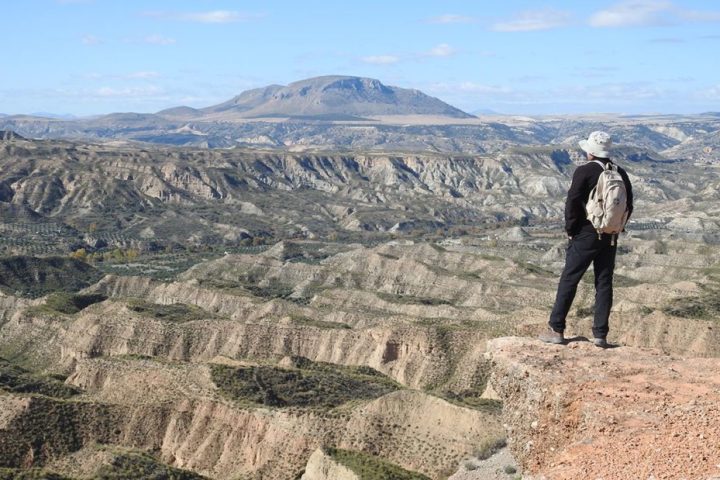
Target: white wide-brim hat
<point>597,144</point>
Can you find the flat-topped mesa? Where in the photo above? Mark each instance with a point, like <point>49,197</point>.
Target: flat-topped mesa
<point>577,411</point>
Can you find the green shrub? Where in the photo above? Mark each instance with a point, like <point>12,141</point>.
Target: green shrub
<point>19,380</point>
<point>303,320</point>
<point>368,467</point>
<point>142,466</point>
<point>35,277</point>
<point>65,303</point>
<point>68,303</point>
<point>309,385</point>
<point>30,474</point>
<point>585,311</point>
<point>176,312</point>
<point>489,448</point>
<point>701,307</point>
<point>410,299</point>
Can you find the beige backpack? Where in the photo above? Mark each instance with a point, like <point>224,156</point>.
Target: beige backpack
<point>607,206</point>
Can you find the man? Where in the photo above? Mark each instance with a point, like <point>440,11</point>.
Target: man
<point>585,246</point>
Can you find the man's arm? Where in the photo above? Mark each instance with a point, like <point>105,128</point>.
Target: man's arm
<point>574,206</point>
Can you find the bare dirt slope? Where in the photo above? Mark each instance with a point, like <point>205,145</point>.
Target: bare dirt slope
<point>624,413</point>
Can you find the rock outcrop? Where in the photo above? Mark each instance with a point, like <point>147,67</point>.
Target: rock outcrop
<point>577,411</point>
<point>321,466</point>
<point>9,135</point>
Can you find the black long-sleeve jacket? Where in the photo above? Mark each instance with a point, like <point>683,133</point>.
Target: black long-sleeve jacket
<point>584,180</point>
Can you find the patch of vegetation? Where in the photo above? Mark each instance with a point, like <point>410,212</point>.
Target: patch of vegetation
<point>274,289</point>
<point>411,299</point>
<point>175,312</point>
<point>535,269</point>
<point>472,398</point>
<point>645,310</point>
<point>67,303</point>
<point>16,379</point>
<point>661,247</point>
<point>388,256</point>
<point>142,466</point>
<point>437,247</point>
<point>489,448</point>
<point>311,384</point>
<point>369,467</point>
<point>35,277</point>
<point>131,465</point>
<point>311,322</point>
<point>618,280</point>
<point>50,428</point>
<point>702,307</point>
<point>583,312</point>
<point>30,474</point>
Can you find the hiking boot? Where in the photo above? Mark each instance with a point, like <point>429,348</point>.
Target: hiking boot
<point>551,336</point>
<point>600,342</point>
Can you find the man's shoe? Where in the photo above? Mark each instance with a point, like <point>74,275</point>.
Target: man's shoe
<point>551,336</point>
<point>600,342</point>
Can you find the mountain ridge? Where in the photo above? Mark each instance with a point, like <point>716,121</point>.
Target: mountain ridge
<point>334,95</point>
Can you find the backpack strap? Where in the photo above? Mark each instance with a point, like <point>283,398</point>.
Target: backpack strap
<point>606,166</point>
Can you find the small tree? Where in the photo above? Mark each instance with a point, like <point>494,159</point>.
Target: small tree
<point>80,254</point>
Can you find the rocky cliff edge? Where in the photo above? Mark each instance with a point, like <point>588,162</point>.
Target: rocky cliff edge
<point>577,411</point>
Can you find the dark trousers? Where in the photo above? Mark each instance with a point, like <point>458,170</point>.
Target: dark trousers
<point>586,248</point>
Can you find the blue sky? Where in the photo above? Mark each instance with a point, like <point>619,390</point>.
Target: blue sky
<point>535,57</point>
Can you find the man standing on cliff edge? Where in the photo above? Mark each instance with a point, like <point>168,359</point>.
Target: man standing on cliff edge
<point>586,242</point>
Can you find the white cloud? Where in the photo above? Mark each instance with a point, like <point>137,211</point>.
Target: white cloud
<point>90,40</point>
<point>617,92</point>
<point>712,93</point>
<point>450,18</point>
<point>442,50</point>
<point>128,92</point>
<point>648,13</point>
<point>142,75</point>
<point>216,16</point>
<point>381,59</point>
<point>470,88</point>
<point>213,16</point>
<point>158,40</point>
<point>534,20</point>
<point>139,75</point>
<point>634,13</point>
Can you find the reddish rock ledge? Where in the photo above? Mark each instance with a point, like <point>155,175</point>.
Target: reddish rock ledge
<point>580,412</point>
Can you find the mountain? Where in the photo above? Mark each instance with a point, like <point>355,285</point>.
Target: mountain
<point>61,116</point>
<point>485,111</point>
<point>334,97</point>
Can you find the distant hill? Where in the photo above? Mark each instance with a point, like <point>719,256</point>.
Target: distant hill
<point>61,116</point>
<point>485,111</point>
<point>9,135</point>
<point>38,276</point>
<point>334,97</point>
